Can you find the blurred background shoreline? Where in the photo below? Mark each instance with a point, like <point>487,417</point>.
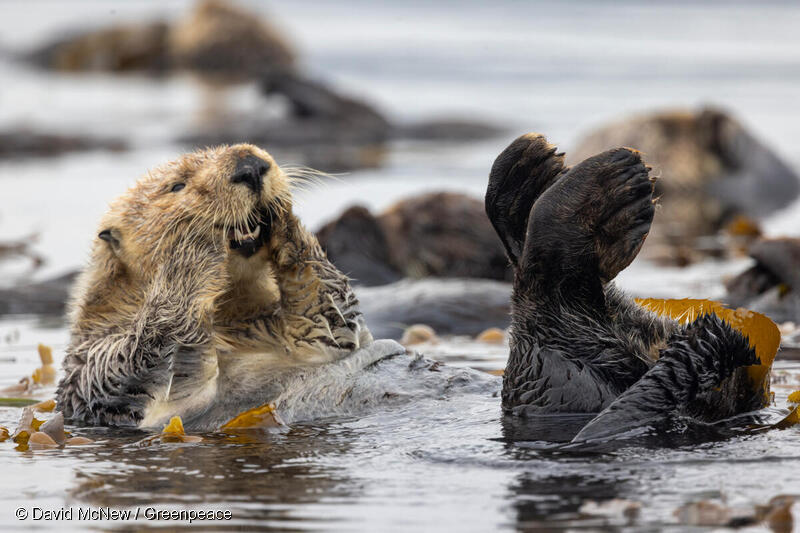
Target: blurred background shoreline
<point>520,66</point>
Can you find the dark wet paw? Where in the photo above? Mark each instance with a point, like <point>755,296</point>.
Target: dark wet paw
<point>519,175</point>
<point>626,213</point>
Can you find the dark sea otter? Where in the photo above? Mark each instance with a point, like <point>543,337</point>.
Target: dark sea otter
<point>578,345</point>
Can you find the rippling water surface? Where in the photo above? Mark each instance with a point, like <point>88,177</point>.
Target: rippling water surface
<point>433,464</point>
<point>439,464</point>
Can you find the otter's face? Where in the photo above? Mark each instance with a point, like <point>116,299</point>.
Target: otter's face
<point>226,195</point>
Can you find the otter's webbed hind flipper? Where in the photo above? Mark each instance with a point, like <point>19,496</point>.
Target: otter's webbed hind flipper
<point>519,175</point>
<point>591,223</point>
<point>697,359</point>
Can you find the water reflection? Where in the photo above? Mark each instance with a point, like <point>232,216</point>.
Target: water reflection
<point>260,476</point>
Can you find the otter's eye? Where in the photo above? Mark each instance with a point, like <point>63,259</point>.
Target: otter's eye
<point>178,187</point>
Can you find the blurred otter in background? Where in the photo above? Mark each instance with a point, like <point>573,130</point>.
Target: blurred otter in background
<point>440,234</point>
<point>711,170</point>
<point>224,44</point>
<point>215,38</point>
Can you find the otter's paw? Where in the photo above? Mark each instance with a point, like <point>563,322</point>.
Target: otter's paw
<point>290,244</point>
<point>625,212</point>
<point>519,175</point>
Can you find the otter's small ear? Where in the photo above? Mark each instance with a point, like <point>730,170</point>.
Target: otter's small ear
<point>111,236</point>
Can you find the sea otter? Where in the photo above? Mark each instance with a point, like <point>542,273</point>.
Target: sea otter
<point>437,234</point>
<point>578,345</point>
<point>205,296</point>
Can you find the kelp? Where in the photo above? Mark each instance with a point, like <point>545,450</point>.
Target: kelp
<point>17,402</point>
<point>174,432</point>
<point>794,397</point>
<point>45,406</point>
<point>43,376</point>
<point>46,374</point>
<point>262,417</point>
<point>35,434</point>
<point>789,420</point>
<point>492,336</point>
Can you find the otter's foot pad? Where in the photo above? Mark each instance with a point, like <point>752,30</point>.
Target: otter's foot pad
<point>591,223</point>
<point>625,214</point>
<point>519,175</point>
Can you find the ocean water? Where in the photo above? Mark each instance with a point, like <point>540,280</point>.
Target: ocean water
<point>557,68</point>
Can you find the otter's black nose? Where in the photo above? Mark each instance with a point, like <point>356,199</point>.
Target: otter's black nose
<point>250,170</point>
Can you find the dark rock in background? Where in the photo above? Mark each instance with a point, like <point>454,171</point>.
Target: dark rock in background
<point>23,143</point>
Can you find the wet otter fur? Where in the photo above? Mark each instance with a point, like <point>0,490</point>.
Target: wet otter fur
<point>198,267</point>
<point>578,344</point>
<point>205,296</point>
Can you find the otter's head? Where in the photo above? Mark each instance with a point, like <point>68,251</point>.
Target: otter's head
<point>227,195</point>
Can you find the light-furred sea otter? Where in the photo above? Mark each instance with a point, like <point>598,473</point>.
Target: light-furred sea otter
<point>205,297</point>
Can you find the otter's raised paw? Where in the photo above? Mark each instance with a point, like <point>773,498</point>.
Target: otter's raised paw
<point>519,175</point>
